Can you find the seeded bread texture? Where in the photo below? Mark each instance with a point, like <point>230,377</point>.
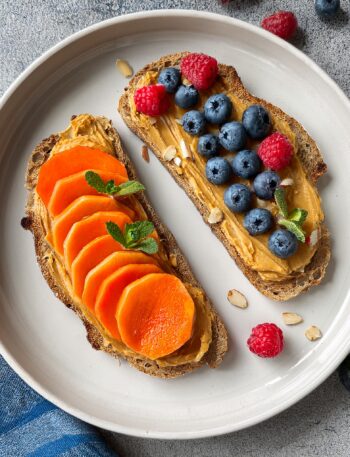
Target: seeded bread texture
<point>310,158</point>
<point>45,258</point>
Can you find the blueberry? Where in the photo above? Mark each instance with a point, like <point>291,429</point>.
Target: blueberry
<point>218,170</point>
<point>283,243</point>
<point>233,136</point>
<point>170,78</point>
<point>265,184</point>
<point>327,8</point>
<point>217,109</point>
<point>238,198</point>
<point>246,164</point>
<point>258,221</point>
<point>208,145</point>
<point>193,122</point>
<point>186,97</point>
<point>344,373</point>
<point>256,121</point>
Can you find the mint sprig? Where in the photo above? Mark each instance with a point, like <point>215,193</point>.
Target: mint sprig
<point>135,236</point>
<point>126,188</point>
<point>293,220</point>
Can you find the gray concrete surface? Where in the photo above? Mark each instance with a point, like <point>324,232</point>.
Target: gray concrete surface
<point>319,424</point>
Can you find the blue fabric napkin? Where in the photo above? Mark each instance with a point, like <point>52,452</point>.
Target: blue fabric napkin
<point>33,427</point>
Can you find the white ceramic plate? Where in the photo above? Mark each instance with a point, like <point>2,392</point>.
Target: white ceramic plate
<point>45,343</point>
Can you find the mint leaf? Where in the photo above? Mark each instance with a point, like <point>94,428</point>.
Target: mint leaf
<point>293,227</point>
<point>148,245</point>
<point>138,230</point>
<point>94,180</point>
<point>280,198</point>
<point>116,233</point>
<point>128,187</point>
<point>298,215</point>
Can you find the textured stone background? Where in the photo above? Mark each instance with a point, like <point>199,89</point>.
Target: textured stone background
<point>319,424</point>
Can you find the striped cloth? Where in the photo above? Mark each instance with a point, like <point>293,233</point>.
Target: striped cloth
<point>33,427</point>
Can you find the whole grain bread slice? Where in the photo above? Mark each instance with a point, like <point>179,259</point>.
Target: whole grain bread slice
<point>46,260</point>
<point>308,153</point>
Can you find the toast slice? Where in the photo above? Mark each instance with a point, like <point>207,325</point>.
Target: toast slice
<point>49,264</point>
<point>308,154</point>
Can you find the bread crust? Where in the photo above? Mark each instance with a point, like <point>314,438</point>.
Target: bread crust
<point>33,222</point>
<point>310,158</point>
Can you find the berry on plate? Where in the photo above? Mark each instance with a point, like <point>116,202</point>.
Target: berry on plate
<point>256,121</point>
<point>233,136</point>
<point>201,70</point>
<point>327,8</point>
<point>283,243</point>
<point>265,184</point>
<point>282,24</point>
<point>246,164</point>
<point>152,100</point>
<point>218,170</point>
<point>208,145</point>
<point>193,122</point>
<point>258,221</point>
<point>276,151</point>
<point>170,78</point>
<point>266,340</point>
<point>238,198</point>
<point>217,109</point>
<point>186,97</point>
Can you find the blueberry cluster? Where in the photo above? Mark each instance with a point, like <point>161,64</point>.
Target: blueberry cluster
<point>233,137</point>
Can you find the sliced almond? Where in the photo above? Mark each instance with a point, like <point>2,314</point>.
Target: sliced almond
<point>291,318</point>
<point>313,333</point>
<point>178,121</point>
<point>177,161</point>
<point>152,120</point>
<point>144,153</point>
<point>313,238</point>
<point>215,216</point>
<point>169,153</point>
<point>124,68</point>
<point>186,82</point>
<point>185,152</point>
<point>287,182</point>
<point>261,203</point>
<point>173,260</point>
<point>237,299</point>
<point>179,171</point>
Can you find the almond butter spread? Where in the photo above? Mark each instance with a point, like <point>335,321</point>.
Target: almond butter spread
<point>86,130</point>
<point>167,130</point>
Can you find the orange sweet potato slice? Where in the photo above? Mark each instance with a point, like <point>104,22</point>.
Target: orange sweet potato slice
<point>155,315</point>
<point>111,290</point>
<point>90,256</point>
<point>88,229</point>
<point>72,161</point>
<point>68,189</point>
<point>109,265</point>
<point>80,208</point>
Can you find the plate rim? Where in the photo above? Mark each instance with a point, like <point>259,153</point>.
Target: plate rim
<point>112,426</point>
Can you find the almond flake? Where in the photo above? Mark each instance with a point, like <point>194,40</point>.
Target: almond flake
<point>124,68</point>
<point>152,120</point>
<point>291,318</point>
<point>287,182</point>
<point>237,299</point>
<point>178,121</point>
<point>313,333</point>
<point>215,216</point>
<point>144,153</point>
<point>313,238</point>
<point>169,153</point>
<point>179,171</point>
<point>173,260</point>
<point>177,161</point>
<point>261,203</point>
<point>186,154</point>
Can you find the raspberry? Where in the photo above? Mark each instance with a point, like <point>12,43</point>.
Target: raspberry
<point>201,70</point>
<point>152,100</point>
<point>266,340</point>
<point>282,24</point>
<point>275,151</point>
